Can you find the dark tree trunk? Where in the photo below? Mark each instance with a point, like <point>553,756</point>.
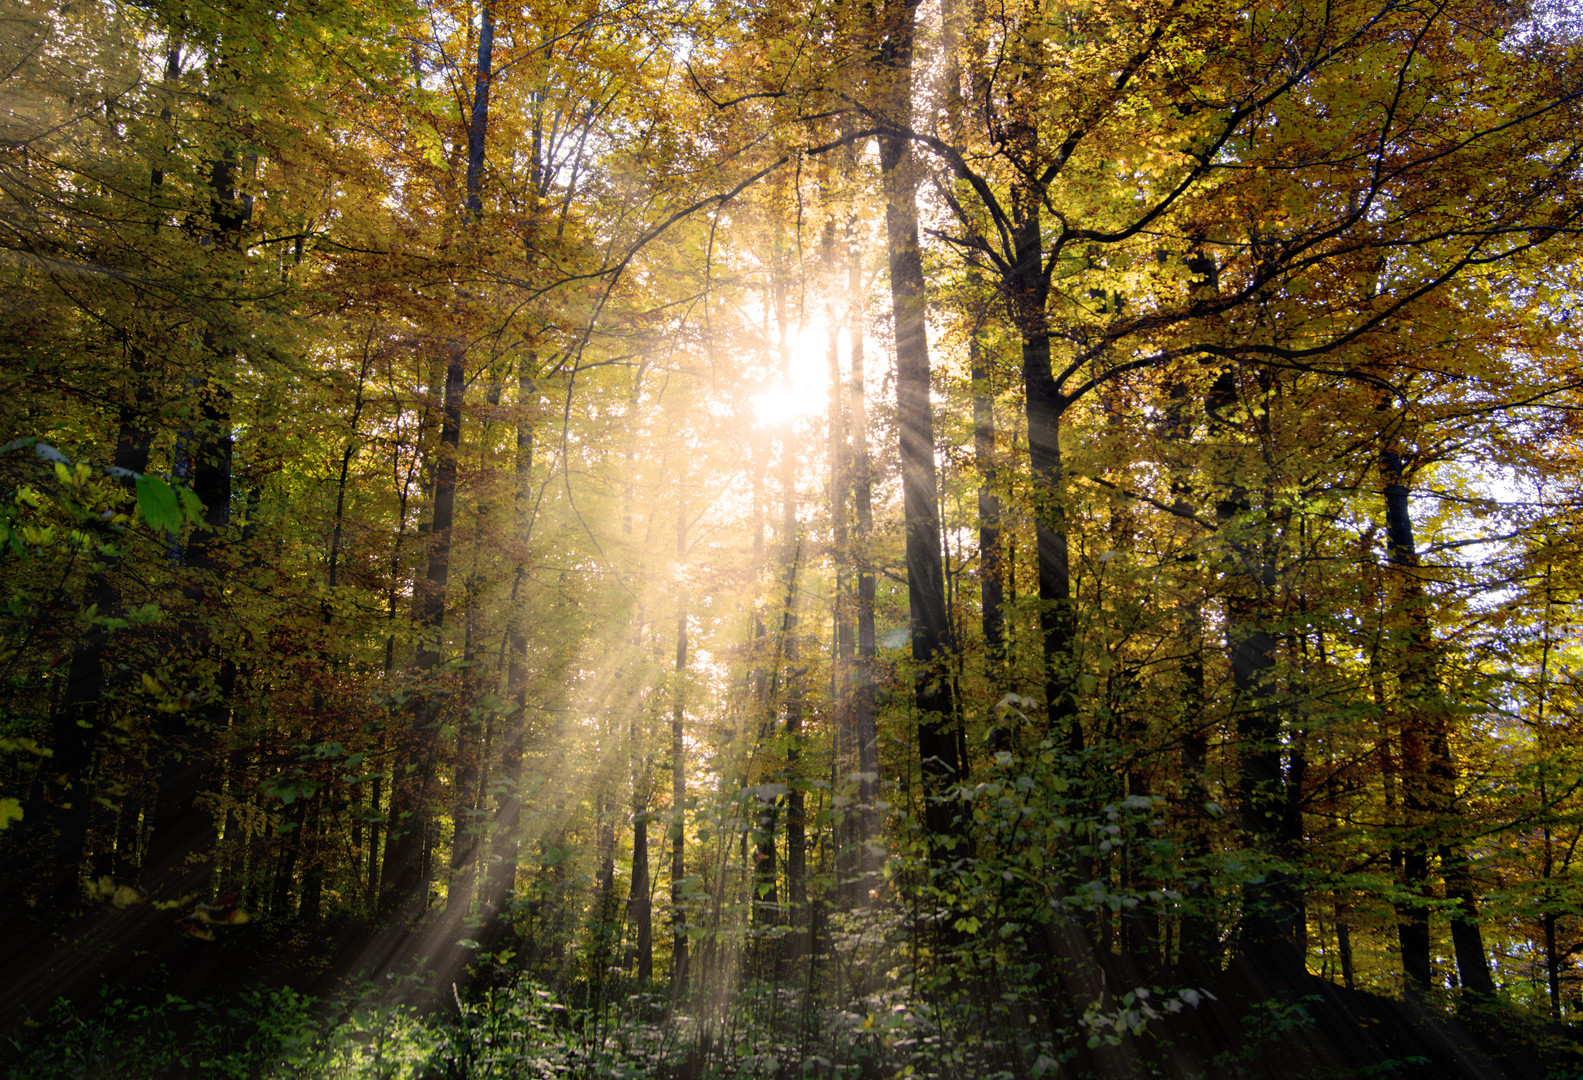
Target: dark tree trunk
<point>500,883</point>
<point>639,914</point>
<point>1269,935</point>
<point>406,868</point>
<point>991,557</point>
<point>930,627</point>
<point>1045,406</point>
<point>1429,769</point>
<point>182,840</point>
<point>1200,941</point>
<point>406,875</point>
<point>58,815</point>
<point>436,578</point>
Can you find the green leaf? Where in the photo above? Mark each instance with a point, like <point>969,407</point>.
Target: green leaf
<point>10,810</point>
<point>157,503</point>
<point>191,505</point>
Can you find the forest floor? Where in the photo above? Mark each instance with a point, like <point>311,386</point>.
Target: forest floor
<point>251,1024</point>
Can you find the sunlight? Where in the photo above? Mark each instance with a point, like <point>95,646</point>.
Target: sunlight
<point>806,393</point>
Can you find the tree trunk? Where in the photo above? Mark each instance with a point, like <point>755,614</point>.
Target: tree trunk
<point>991,559</point>
<point>58,815</point>
<point>930,628</point>
<point>791,674</point>
<point>1045,406</point>
<point>1268,937</point>
<point>1200,941</point>
<point>863,727</point>
<point>1429,768</point>
<point>678,824</point>
<point>182,840</point>
<point>842,668</point>
<point>639,913</point>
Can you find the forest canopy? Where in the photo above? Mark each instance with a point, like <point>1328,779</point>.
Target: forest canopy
<point>945,538</point>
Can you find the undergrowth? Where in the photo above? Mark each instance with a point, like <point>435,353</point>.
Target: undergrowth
<point>520,1032</point>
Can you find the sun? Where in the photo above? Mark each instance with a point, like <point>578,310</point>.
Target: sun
<point>785,400</point>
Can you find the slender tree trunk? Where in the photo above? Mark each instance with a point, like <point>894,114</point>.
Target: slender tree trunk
<point>796,826</point>
<point>1199,942</point>
<point>182,840</point>
<point>639,910</point>
<point>863,726</point>
<point>436,579</point>
<point>1429,768</point>
<point>508,811</point>
<point>1268,937</point>
<point>991,557</point>
<point>1045,407</point>
<point>930,627</point>
<point>791,672</point>
<point>405,870</point>
<point>58,815</point>
<point>844,646</point>
<point>678,824</point>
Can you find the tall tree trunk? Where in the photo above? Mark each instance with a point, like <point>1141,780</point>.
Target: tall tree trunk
<point>1268,933</point>
<point>58,815</point>
<point>404,868</point>
<point>796,826</point>
<point>863,695</point>
<point>508,815</point>
<point>1200,940</point>
<point>842,681</point>
<point>182,839</point>
<point>930,628</point>
<point>639,910</point>
<point>475,733</point>
<point>791,674</point>
<point>991,557</point>
<point>436,578</point>
<point>504,840</point>
<point>1045,406</point>
<point>1428,765</point>
<point>678,824</point>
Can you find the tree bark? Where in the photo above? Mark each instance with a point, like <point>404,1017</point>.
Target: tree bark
<point>407,882</point>
<point>678,823</point>
<point>930,629</point>
<point>863,726</point>
<point>1269,935</point>
<point>991,557</point>
<point>58,815</point>
<point>1429,768</point>
<point>183,836</point>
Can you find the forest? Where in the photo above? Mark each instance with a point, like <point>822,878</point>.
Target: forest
<point>870,538</point>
